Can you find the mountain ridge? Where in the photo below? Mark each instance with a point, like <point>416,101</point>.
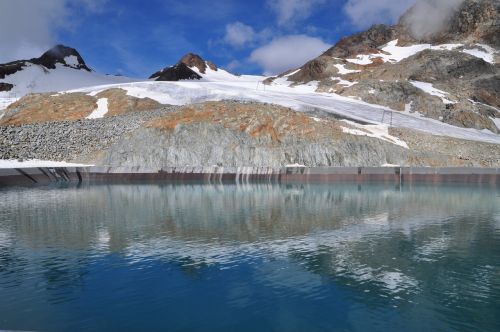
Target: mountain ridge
<point>451,75</point>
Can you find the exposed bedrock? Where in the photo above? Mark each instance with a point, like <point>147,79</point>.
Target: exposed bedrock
<point>209,144</point>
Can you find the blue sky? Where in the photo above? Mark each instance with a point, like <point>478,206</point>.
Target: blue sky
<point>136,38</point>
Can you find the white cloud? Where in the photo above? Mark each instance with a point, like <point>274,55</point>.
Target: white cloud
<point>290,12</point>
<point>364,13</point>
<point>29,27</point>
<point>430,16</point>
<point>239,34</point>
<point>233,65</point>
<point>287,52</point>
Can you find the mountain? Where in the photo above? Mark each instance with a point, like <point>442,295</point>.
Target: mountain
<point>434,63</point>
<point>60,68</point>
<point>192,67</point>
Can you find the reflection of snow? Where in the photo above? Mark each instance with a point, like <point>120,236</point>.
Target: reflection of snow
<point>102,240</point>
<point>432,248</point>
<point>5,239</point>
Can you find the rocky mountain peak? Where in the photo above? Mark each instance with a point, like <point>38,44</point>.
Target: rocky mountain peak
<point>178,72</point>
<point>194,60</point>
<point>61,54</point>
<point>183,70</point>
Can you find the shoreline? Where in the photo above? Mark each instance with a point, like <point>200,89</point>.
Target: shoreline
<point>235,175</point>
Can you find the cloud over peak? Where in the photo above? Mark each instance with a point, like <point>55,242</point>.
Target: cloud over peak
<point>287,52</point>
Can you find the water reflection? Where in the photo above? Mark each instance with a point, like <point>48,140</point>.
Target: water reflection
<point>379,255</point>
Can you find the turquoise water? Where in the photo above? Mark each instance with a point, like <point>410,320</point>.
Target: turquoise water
<point>250,258</point>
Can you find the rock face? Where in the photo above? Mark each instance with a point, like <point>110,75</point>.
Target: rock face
<point>457,60</point>
<point>63,55</point>
<point>185,69</point>
<point>46,107</point>
<point>233,134</point>
<point>6,87</point>
<point>194,60</point>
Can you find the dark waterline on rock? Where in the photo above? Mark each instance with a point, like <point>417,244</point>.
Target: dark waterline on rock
<point>250,258</point>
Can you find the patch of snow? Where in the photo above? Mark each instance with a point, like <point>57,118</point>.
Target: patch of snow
<point>363,59</point>
<point>408,107</point>
<point>11,163</point>
<point>485,52</point>
<point>380,131</point>
<point>101,110</point>
<point>371,91</point>
<point>295,165</point>
<point>292,73</point>
<point>390,165</point>
<point>343,70</point>
<point>393,53</point>
<point>496,121</point>
<point>6,100</point>
<point>344,82</point>
<point>71,61</point>
<point>428,88</point>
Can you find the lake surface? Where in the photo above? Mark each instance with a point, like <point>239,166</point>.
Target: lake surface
<point>193,257</point>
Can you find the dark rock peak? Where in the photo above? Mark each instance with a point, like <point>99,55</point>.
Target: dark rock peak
<point>194,60</point>
<point>49,59</point>
<point>180,71</point>
<point>59,54</point>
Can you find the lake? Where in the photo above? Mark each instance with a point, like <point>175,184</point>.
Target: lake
<point>253,257</point>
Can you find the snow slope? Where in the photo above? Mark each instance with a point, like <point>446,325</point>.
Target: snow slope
<point>36,78</point>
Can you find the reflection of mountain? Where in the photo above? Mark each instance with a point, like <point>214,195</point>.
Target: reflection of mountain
<point>376,239</point>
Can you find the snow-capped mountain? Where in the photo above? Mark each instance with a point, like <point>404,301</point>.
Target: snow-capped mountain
<point>60,68</point>
<point>192,67</point>
<point>450,74</point>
